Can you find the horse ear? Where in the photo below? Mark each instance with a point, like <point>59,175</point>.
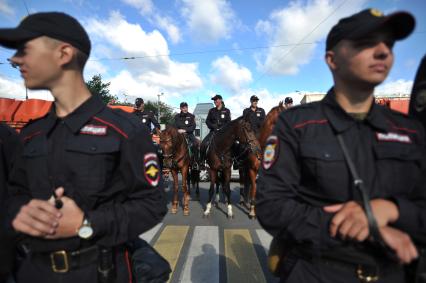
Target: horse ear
<point>280,104</point>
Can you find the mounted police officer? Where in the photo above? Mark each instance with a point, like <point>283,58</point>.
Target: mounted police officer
<point>254,115</point>
<point>146,116</point>
<point>185,123</point>
<point>86,180</point>
<point>339,185</point>
<point>217,117</point>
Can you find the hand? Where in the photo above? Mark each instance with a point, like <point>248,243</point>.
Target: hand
<point>349,221</point>
<point>71,220</point>
<point>384,211</point>
<point>181,131</point>
<point>38,218</point>
<point>400,242</point>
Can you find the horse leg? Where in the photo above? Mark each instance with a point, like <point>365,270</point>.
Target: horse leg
<point>242,184</point>
<point>217,199</point>
<point>227,190</point>
<point>197,184</point>
<point>252,175</point>
<point>185,201</point>
<point>188,181</point>
<point>213,176</point>
<point>175,191</point>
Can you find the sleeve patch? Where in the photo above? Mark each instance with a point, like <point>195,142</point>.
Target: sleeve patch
<point>151,169</point>
<point>271,152</point>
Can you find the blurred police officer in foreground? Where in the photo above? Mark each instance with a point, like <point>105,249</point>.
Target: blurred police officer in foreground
<point>288,102</point>
<point>146,116</point>
<point>217,117</point>
<point>9,143</point>
<point>87,180</point>
<point>306,195</point>
<point>185,123</point>
<point>255,115</point>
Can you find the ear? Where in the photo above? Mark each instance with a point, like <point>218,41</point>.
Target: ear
<point>330,59</point>
<point>66,54</point>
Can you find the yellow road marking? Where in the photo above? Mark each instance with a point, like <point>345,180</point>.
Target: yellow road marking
<point>170,243</point>
<point>242,264</point>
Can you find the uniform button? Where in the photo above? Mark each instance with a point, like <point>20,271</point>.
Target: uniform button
<point>93,148</point>
<point>327,155</point>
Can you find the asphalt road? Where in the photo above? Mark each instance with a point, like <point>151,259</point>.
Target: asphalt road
<point>212,249</point>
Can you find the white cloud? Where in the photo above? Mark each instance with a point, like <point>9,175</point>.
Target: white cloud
<point>94,67</point>
<point>155,70</point>
<point>400,86</point>
<point>6,9</point>
<point>155,17</point>
<point>145,6</point>
<point>209,20</point>
<point>296,23</point>
<point>10,88</point>
<point>229,74</point>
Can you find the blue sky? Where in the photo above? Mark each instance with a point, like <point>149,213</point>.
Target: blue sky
<point>191,49</point>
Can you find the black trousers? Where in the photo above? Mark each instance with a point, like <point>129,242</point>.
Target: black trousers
<point>306,272</point>
<point>32,269</point>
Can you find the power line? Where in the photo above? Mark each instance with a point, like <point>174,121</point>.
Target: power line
<point>288,52</point>
<point>26,7</point>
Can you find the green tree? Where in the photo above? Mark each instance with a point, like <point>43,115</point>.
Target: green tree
<point>166,111</point>
<point>97,86</point>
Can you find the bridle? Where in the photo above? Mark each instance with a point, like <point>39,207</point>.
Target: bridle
<point>171,156</point>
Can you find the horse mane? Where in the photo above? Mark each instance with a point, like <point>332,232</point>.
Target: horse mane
<point>269,123</point>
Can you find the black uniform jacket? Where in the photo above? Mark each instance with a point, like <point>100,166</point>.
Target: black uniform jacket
<point>147,117</point>
<point>304,169</point>
<point>218,118</point>
<point>255,117</point>
<point>106,162</point>
<point>185,121</point>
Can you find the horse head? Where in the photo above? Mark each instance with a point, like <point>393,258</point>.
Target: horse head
<point>167,138</point>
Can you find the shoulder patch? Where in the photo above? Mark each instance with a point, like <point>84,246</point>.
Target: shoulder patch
<point>151,169</point>
<point>270,153</point>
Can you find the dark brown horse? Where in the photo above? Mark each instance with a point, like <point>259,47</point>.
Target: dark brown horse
<point>176,158</point>
<point>219,158</point>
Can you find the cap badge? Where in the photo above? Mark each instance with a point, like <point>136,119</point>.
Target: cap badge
<point>376,13</point>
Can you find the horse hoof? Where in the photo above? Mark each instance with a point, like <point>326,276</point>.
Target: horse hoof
<point>173,211</point>
<point>186,213</point>
<point>252,217</point>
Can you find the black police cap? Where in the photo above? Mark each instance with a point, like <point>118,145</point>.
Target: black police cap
<point>183,104</point>
<point>288,100</point>
<point>367,21</point>
<point>217,96</point>
<point>52,24</point>
<point>254,98</point>
<point>138,101</point>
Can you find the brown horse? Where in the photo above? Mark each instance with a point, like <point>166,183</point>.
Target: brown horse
<point>219,158</point>
<point>176,158</point>
<point>269,123</point>
<point>248,172</point>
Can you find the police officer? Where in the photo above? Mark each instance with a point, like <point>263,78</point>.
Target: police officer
<point>8,145</point>
<point>185,123</point>
<point>87,179</point>
<point>217,117</point>
<point>306,194</point>
<point>288,102</point>
<point>255,115</point>
<point>146,116</point>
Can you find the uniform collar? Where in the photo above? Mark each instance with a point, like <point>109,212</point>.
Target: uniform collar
<point>80,116</point>
<point>341,121</point>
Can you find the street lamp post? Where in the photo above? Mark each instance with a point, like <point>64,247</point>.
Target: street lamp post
<point>158,112</point>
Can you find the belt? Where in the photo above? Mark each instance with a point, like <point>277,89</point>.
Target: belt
<point>63,261</point>
<point>365,273</point>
